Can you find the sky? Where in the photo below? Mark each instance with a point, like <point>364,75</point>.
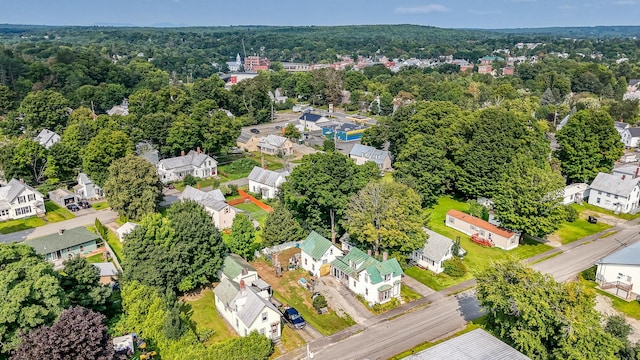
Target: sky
<point>490,14</point>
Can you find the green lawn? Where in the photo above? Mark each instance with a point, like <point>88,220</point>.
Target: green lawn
<point>288,292</point>
<point>97,258</point>
<point>569,232</point>
<point>205,316</point>
<point>594,208</point>
<point>10,226</point>
<point>100,205</point>
<point>477,258</point>
<point>56,213</point>
<point>629,308</point>
<point>113,241</point>
<point>253,211</point>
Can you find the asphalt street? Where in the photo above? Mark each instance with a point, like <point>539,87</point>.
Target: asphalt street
<point>385,336</point>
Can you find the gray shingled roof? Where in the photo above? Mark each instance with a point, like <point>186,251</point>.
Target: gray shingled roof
<point>620,125</point>
<point>629,255</point>
<point>211,199</point>
<point>229,293</point>
<point>226,291</point>
<point>437,246</point>
<point>244,138</point>
<point>272,141</point>
<point>187,161</point>
<point>45,136</point>
<point>84,178</point>
<point>10,191</point>
<point>614,184</point>
<point>266,177</point>
<point>474,345</point>
<point>634,131</point>
<point>370,153</point>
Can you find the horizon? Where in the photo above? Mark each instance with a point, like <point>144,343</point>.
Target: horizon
<point>456,14</point>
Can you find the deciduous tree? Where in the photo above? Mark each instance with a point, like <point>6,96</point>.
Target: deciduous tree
<point>45,109</point>
<point>280,227</point>
<point>242,236</point>
<point>81,282</point>
<point>103,149</point>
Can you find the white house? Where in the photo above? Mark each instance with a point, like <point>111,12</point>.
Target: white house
<point>436,250</point>
<point>19,200</point>
<point>312,122</point>
<point>377,282</point>
<point>125,229</point>
<point>86,189</point>
<point>214,203</point>
<point>363,153</point>
<point>619,270</point>
<point>47,138</point>
<point>266,182</point>
<point>574,193</point>
<point>237,269</point>
<point>631,136</point>
<point>317,253</point>
<point>629,170</point>
<point>235,65</point>
<point>619,193</point>
<point>275,145</point>
<point>620,126</point>
<point>195,163</point>
<point>246,311</point>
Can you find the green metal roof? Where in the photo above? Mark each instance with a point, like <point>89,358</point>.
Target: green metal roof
<point>385,287</point>
<point>362,261</point>
<point>233,264</point>
<point>379,270</point>
<point>315,245</point>
<point>339,264</point>
<point>68,238</point>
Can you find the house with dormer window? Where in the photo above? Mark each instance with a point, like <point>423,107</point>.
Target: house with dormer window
<point>19,200</point>
<point>317,253</point>
<point>363,153</point>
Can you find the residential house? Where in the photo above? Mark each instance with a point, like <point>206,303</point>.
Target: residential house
<point>195,163</point>
<point>125,230</point>
<point>619,193</point>
<point>275,145</point>
<point>436,250</point>
<point>633,91</point>
<point>266,182</point>
<point>619,270</point>
<point>246,311</point>
<point>474,345</point>
<point>86,189</point>
<point>146,151</point>
<point>621,126</point>
<point>47,138</point>
<point>108,272</point>
<point>317,253</point>
<point>237,269</point>
<point>574,193</point>
<point>248,142</point>
<point>376,281</point>
<point>565,119</point>
<point>214,203</point>
<point>19,200</point>
<point>277,96</point>
<point>630,137</point>
<point>65,244</point>
<point>363,153</point>
<point>120,110</point>
<point>343,131</point>
<point>473,226</point>
<point>62,197</point>
<point>312,122</point>
<point>629,170</point>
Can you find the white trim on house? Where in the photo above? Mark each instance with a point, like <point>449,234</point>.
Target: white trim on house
<point>195,163</point>
<point>19,200</point>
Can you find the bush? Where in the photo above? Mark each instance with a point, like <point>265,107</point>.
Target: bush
<point>319,302</point>
<point>204,335</point>
<point>571,214</point>
<point>189,180</point>
<point>229,190</point>
<point>455,268</point>
<point>475,209</point>
<point>590,273</point>
<point>242,165</point>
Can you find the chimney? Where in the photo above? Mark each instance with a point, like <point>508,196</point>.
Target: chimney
<point>181,152</point>
<point>245,271</point>
<point>198,150</point>
<point>369,252</point>
<point>241,285</point>
<point>198,185</point>
<point>60,231</point>
<point>637,170</point>
<point>385,256</point>
<point>624,176</point>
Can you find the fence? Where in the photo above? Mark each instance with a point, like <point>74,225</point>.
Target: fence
<point>281,247</point>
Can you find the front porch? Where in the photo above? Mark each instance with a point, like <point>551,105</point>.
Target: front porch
<point>619,288</point>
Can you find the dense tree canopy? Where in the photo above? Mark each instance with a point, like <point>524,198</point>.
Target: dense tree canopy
<point>102,150</point>
<point>133,187</point>
<point>81,282</point>
<point>280,227</point>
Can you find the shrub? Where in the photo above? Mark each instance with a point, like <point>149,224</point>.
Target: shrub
<point>571,214</point>
<point>189,180</point>
<point>204,335</point>
<point>229,190</point>
<point>242,165</point>
<point>319,302</point>
<point>589,274</point>
<point>475,209</point>
<point>455,268</point>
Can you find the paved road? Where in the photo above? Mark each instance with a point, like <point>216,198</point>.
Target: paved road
<point>105,216</point>
<point>400,329</point>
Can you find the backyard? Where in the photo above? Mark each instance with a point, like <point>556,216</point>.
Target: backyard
<point>288,291</point>
<point>113,241</point>
<point>203,313</point>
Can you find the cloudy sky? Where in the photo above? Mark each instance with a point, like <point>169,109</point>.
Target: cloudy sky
<point>450,13</point>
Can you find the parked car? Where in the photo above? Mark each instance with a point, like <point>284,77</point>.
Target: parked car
<point>293,317</point>
<point>593,219</point>
<point>170,186</point>
<point>278,127</point>
<point>84,204</point>
<point>73,207</point>
<point>255,131</point>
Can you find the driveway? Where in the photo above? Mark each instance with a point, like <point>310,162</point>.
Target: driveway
<point>417,286</point>
<point>341,299</point>
<point>105,216</point>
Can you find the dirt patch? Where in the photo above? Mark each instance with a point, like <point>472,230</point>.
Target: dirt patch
<point>197,293</point>
<point>605,218</point>
<point>605,306</point>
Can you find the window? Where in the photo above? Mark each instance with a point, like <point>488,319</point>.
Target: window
<point>599,192</point>
<point>608,195</point>
<point>481,232</point>
<point>263,331</point>
<point>264,316</point>
<point>21,199</point>
<point>226,210</point>
<point>387,277</point>
<point>305,261</point>
<point>598,201</point>
<point>4,212</point>
<point>355,283</point>
<point>23,210</point>
<point>366,278</point>
<point>628,279</point>
<point>237,323</point>
<point>31,197</point>
<point>450,219</point>
<point>313,267</point>
<point>366,291</point>
<point>615,197</point>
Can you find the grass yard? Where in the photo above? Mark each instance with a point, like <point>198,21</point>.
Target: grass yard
<point>113,241</point>
<point>570,232</point>
<point>97,258</point>
<point>204,314</point>
<point>290,339</point>
<point>594,208</point>
<point>56,213</point>
<point>407,293</point>
<point>100,205</point>
<point>477,258</point>
<point>287,290</point>
<point>253,211</point>
<point>10,226</point>
<point>629,308</point>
